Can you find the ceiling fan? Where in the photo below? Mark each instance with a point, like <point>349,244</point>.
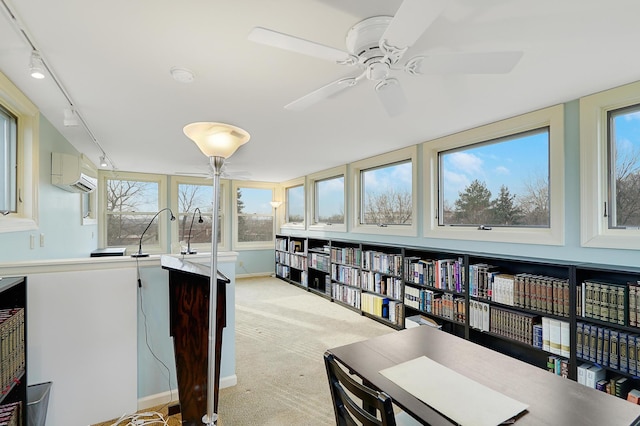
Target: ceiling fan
<point>376,46</point>
<point>224,173</point>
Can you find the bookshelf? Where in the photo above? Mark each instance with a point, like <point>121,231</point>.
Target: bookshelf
<point>434,287</point>
<point>319,261</point>
<point>607,327</point>
<point>556,315</point>
<point>291,260</point>
<point>13,394</point>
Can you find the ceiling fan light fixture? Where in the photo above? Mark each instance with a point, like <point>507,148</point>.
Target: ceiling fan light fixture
<point>36,66</point>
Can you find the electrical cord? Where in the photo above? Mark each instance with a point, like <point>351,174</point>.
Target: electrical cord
<point>146,335</point>
<point>141,419</point>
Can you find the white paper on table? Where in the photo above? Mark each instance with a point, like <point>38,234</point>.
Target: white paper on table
<point>463,400</point>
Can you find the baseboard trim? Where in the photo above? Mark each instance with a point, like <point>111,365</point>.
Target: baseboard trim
<point>255,275</point>
<point>172,396</point>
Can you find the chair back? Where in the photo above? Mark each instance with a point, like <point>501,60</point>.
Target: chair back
<point>353,402</point>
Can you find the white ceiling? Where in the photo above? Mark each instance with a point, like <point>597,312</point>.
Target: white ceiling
<point>113,58</point>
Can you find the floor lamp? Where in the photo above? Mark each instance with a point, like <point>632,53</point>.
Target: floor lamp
<point>218,141</point>
<point>275,205</point>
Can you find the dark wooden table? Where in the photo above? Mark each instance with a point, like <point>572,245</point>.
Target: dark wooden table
<point>552,400</point>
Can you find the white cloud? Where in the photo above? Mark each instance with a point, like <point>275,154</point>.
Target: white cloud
<point>466,162</point>
<point>502,170</point>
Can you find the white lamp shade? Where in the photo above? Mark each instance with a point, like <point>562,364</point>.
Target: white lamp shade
<point>216,139</point>
<point>275,204</point>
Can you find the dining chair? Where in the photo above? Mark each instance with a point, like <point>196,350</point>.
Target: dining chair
<point>357,404</point>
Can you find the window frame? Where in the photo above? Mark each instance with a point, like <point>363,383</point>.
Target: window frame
<point>283,208</point>
<point>402,155</point>
<point>165,226</point>
<point>251,245</point>
<point>594,184</point>
<point>223,245</point>
<point>91,197</point>
<point>312,202</point>
<point>553,118</point>
<point>28,158</point>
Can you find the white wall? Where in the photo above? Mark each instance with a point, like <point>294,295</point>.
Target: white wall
<point>83,334</point>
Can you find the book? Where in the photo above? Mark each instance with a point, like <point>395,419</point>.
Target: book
<point>546,336</point>
<point>565,337</point>
<point>594,374</point>
<point>634,396</point>
<point>582,373</point>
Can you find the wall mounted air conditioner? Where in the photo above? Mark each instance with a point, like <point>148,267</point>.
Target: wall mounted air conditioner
<point>73,173</point>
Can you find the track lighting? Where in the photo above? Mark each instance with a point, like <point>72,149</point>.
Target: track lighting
<point>36,66</point>
<point>70,117</point>
<point>103,161</point>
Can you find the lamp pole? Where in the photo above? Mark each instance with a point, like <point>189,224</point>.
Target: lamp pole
<point>218,141</point>
<point>211,417</point>
<point>275,205</point>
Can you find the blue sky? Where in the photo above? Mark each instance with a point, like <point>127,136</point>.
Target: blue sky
<point>512,163</point>
<point>627,128</point>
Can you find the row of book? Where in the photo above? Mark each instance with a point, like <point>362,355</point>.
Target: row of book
<point>12,347</point>
<point>320,262</point>
<point>293,260</point>
<point>446,274</point>
<point>390,264</point>
<point>595,376</point>
<point>604,301</point>
<point>549,295</point>
<point>283,270</point>
<point>444,305</point>
<point>346,294</point>
<point>346,255</point>
<point>382,307</point>
<point>558,366</point>
<point>11,414</point>
<point>382,284</point>
<point>555,335</point>
<point>608,347</point>
<point>345,274</point>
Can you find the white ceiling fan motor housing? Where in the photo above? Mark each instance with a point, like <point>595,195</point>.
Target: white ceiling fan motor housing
<point>365,36</point>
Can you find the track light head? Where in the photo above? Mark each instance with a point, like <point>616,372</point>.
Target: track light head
<point>103,161</point>
<point>36,66</point>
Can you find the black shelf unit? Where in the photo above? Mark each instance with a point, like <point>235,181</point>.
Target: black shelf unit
<point>346,258</point>
<point>610,295</point>
<point>13,296</point>
<point>319,266</point>
<point>435,288</point>
<point>543,297</point>
<point>531,321</point>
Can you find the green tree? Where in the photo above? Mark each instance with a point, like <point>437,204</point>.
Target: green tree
<point>473,204</point>
<point>504,210</point>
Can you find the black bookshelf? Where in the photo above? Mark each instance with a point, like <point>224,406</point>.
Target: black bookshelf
<point>530,309</point>
<point>13,355</point>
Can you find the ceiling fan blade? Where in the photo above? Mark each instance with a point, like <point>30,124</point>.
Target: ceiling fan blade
<point>465,63</point>
<point>322,93</point>
<point>392,96</point>
<point>298,45</point>
<point>411,20</point>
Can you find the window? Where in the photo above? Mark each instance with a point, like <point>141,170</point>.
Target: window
<point>189,194</point>
<point>19,160</point>
<point>130,203</point>
<point>88,200</point>
<point>327,199</point>
<point>8,160</point>
<point>624,168</point>
<point>384,193</point>
<point>610,168</point>
<point>293,207</point>
<point>254,215</point>
<point>503,182</point>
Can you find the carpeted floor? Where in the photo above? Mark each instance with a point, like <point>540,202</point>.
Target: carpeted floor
<point>281,333</point>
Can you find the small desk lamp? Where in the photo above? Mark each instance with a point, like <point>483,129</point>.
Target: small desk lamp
<point>218,141</point>
<point>189,251</point>
<point>140,253</point>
